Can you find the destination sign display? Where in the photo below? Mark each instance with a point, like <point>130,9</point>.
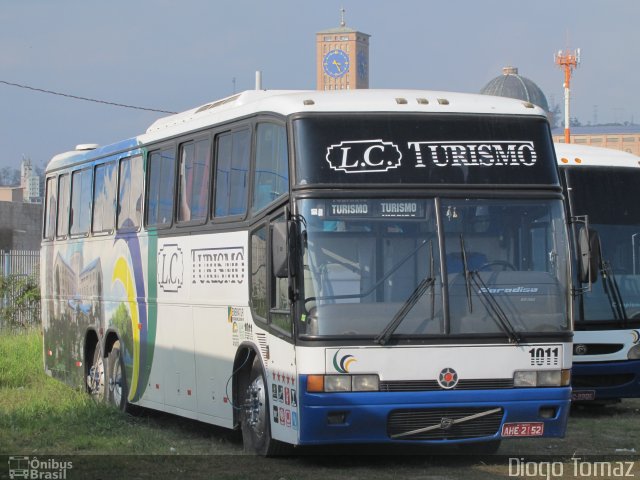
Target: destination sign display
<point>375,208</point>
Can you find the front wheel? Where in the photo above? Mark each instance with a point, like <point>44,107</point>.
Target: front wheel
<point>118,390</point>
<point>254,414</point>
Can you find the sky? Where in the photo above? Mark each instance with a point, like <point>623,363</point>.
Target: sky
<point>178,54</point>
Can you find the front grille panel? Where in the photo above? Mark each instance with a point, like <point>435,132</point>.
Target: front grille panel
<point>402,421</point>
<point>596,348</point>
<point>432,385</point>
<point>594,381</point>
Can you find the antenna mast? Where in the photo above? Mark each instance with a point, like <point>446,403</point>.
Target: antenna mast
<point>568,61</point>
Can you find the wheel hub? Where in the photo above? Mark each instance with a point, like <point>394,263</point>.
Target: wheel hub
<point>255,406</point>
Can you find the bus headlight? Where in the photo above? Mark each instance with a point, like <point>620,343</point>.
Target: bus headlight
<point>337,383</point>
<point>366,383</point>
<point>343,383</point>
<point>542,378</point>
<point>634,353</point>
<point>549,378</point>
<point>525,378</point>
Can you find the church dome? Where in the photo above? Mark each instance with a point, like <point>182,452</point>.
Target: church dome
<point>512,85</point>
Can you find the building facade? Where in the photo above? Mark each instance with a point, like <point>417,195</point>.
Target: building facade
<point>342,58</point>
<point>618,137</point>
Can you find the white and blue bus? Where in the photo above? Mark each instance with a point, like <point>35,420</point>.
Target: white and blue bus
<point>319,268</point>
<point>602,185</point>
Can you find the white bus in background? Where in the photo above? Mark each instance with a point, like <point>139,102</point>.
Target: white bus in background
<point>319,268</point>
<point>604,185</point>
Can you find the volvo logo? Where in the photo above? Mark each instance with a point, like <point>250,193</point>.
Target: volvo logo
<point>580,349</point>
<point>446,423</point>
<point>448,378</point>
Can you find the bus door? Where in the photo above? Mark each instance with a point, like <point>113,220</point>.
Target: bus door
<point>271,302</point>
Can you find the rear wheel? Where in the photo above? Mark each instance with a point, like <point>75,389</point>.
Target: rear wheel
<point>118,389</point>
<point>255,420</point>
<point>95,381</point>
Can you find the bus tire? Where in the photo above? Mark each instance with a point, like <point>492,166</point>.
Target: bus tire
<point>255,420</point>
<point>118,388</point>
<point>95,380</point>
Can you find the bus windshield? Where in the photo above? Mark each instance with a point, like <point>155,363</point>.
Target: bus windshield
<point>609,196</point>
<point>433,267</point>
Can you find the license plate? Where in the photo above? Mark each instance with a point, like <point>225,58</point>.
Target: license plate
<point>583,396</point>
<point>525,429</point>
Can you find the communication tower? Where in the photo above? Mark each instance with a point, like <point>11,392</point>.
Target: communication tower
<point>568,61</point>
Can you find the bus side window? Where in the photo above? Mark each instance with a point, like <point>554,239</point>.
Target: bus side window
<point>193,194</point>
<point>161,186</point>
<point>272,165</point>
<point>130,193</point>
<point>50,209</point>
<point>259,273</point>
<point>80,202</point>
<point>280,312</point>
<point>104,198</point>
<point>232,169</point>
<point>269,295</point>
<point>62,227</point>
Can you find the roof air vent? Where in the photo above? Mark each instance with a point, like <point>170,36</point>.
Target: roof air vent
<point>86,146</point>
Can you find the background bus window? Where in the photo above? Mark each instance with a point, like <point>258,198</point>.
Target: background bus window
<point>193,187</point>
<point>104,198</point>
<point>63,206</point>
<point>80,202</point>
<point>50,209</point>
<point>232,167</point>
<point>272,165</point>
<point>130,193</point>
<point>160,190</point>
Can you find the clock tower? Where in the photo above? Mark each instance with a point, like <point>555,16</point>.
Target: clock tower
<point>342,58</point>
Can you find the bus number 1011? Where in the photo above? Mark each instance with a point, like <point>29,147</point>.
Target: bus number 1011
<point>544,356</point>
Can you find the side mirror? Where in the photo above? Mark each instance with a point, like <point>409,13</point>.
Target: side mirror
<point>588,255</point>
<point>282,249</point>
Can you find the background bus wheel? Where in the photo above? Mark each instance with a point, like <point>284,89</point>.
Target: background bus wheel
<point>254,416</point>
<point>118,390</point>
<point>95,380</point>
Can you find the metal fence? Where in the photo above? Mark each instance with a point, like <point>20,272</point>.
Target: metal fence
<point>19,288</point>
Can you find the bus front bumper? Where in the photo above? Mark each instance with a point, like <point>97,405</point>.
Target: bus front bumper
<point>432,417</point>
<point>606,380</point>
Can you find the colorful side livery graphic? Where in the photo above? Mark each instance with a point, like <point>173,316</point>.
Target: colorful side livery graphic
<point>142,337</point>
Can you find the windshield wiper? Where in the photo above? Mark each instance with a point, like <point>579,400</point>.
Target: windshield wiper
<point>491,304</point>
<point>410,302</point>
<point>610,285</point>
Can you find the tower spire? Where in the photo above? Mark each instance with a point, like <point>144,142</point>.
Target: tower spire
<point>342,22</point>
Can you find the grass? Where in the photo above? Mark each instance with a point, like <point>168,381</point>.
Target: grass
<point>40,416</point>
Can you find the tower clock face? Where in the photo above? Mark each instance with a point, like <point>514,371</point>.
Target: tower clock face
<point>336,63</point>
